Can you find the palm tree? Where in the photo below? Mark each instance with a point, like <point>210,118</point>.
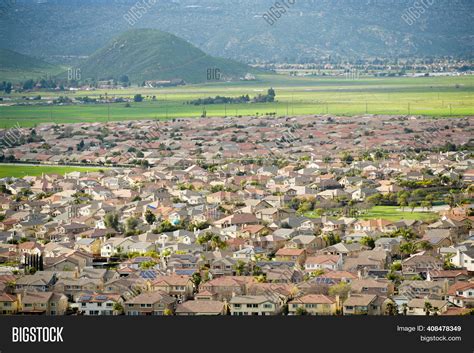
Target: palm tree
<point>408,248</point>
<point>428,308</point>
<point>239,267</point>
<point>118,308</point>
<point>391,309</point>
<point>405,308</point>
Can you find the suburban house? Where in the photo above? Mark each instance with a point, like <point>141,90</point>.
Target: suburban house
<point>419,306</point>
<point>98,304</point>
<point>178,286</point>
<point>462,294</point>
<point>201,307</point>
<point>9,303</point>
<point>150,303</point>
<point>242,305</point>
<point>464,259</point>
<point>43,303</point>
<point>293,255</point>
<point>323,262</point>
<point>313,304</point>
<point>362,304</point>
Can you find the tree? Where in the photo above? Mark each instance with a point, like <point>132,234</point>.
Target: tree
<point>111,220</point>
<point>131,224</point>
<point>167,312</point>
<point>428,205</point>
<point>408,248</point>
<point>428,307</point>
<point>123,79</point>
<point>164,227</point>
<point>217,242</point>
<point>8,87</point>
<point>271,95</point>
<point>341,289</point>
<point>332,239</point>
<point>406,233</point>
<point>375,199</point>
<point>214,240</point>
<point>391,309</point>
<point>405,308</point>
<point>118,307</point>
<point>239,268</point>
<point>146,265</point>
<point>196,279</point>
<point>138,98</point>
<point>450,199</point>
<point>402,202</point>
<point>80,145</point>
<point>29,84</point>
<point>347,158</point>
<point>424,245</point>
<point>150,217</point>
<point>368,241</point>
<point>413,205</point>
<point>301,311</point>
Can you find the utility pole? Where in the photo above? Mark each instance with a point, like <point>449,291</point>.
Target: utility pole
<point>108,107</point>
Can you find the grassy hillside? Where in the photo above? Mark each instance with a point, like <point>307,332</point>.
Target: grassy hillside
<point>16,67</point>
<point>148,54</point>
<point>310,29</point>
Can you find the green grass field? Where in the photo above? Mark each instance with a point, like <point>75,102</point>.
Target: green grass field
<point>433,96</point>
<point>394,213</point>
<point>20,171</point>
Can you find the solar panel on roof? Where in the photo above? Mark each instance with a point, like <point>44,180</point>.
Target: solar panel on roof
<point>101,297</point>
<point>324,280</point>
<point>148,274</point>
<point>86,297</point>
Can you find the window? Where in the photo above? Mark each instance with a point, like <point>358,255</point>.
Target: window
<point>83,304</point>
<point>267,306</point>
<point>237,306</point>
<point>99,304</point>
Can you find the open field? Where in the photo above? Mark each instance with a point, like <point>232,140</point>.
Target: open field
<point>433,96</point>
<point>394,213</point>
<point>32,170</point>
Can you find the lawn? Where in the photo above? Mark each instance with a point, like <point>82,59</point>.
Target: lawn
<point>31,170</point>
<point>394,213</point>
<point>434,96</point>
